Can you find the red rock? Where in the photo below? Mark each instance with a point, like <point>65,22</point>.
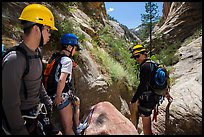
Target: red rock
<point>107,120</point>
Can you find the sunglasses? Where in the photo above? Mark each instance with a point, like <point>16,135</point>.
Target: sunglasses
<point>137,56</point>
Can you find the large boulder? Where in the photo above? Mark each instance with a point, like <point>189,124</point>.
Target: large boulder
<point>107,120</point>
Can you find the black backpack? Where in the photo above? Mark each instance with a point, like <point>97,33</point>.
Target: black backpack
<point>161,79</point>
<point>49,81</point>
<point>24,53</point>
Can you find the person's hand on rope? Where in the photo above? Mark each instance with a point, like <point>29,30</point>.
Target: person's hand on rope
<point>169,97</point>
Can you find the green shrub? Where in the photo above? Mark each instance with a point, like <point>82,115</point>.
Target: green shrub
<point>106,30</point>
<point>115,70</point>
<point>167,55</point>
<point>64,27</point>
<point>118,49</point>
<point>81,37</point>
<point>163,50</point>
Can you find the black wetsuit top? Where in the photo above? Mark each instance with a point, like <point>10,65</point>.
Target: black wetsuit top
<point>145,78</point>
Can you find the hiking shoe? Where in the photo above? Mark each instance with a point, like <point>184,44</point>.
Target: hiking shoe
<point>81,127</point>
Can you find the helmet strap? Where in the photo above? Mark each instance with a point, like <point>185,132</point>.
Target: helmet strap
<point>41,39</point>
<point>71,52</point>
<point>70,55</point>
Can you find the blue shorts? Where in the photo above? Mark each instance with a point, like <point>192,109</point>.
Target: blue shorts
<point>65,101</point>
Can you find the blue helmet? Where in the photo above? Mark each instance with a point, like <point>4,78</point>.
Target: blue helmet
<point>70,39</point>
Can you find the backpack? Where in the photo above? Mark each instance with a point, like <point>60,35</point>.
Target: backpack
<point>24,53</point>
<point>49,73</point>
<point>160,80</point>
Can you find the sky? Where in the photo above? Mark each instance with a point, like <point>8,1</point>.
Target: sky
<point>129,13</point>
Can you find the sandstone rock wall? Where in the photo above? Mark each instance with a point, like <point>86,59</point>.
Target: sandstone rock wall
<point>180,20</point>
<point>184,115</point>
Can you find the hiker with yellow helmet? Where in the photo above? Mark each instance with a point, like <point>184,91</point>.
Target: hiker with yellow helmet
<point>23,94</point>
<point>144,96</point>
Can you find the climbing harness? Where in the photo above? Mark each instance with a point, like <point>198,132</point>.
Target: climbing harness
<point>34,114</point>
<point>38,113</point>
<point>41,109</point>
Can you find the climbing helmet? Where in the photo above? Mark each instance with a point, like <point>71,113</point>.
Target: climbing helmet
<point>70,39</point>
<point>137,49</point>
<point>38,13</point>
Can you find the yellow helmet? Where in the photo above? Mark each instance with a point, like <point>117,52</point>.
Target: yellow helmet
<point>38,13</point>
<point>137,49</point>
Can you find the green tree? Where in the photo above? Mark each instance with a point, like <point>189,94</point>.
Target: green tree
<point>149,19</point>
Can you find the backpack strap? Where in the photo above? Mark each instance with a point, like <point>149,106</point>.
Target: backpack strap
<point>152,68</point>
<point>26,71</point>
<point>24,53</point>
<point>21,50</point>
<point>58,62</point>
<point>49,76</point>
<point>152,64</point>
<point>69,84</point>
<point>37,56</point>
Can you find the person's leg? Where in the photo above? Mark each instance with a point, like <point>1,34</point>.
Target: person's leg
<point>77,113</point>
<point>146,121</point>
<point>66,115</point>
<point>146,118</point>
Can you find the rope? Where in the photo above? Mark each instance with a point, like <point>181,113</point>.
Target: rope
<point>85,121</point>
<point>90,113</point>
